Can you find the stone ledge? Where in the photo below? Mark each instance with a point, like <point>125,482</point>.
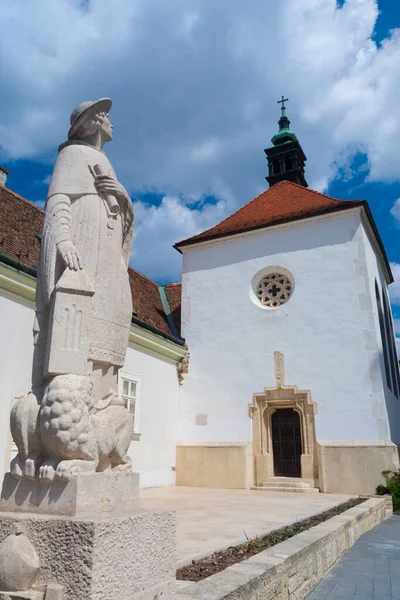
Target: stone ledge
<point>357,444</point>
<point>191,444</point>
<point>115,491</point>
<point>293,568</point>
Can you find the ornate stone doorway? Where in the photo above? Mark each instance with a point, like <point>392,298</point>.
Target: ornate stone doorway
<point>284,441</point>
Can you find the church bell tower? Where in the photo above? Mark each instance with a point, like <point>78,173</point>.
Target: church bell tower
<point>286,157</point>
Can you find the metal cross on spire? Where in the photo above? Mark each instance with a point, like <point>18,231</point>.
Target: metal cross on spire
<point>283,107</point>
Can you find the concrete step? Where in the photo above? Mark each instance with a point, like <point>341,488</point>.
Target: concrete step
<point>285,479</point>
<point>290,484</point>
<point>286,484</point>
<point>297,490</point>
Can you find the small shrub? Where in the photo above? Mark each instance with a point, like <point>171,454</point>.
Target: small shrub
<point>382,490</point>
<point>393,486</point>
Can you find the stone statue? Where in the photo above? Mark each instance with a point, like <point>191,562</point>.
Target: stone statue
<point>74,420</point>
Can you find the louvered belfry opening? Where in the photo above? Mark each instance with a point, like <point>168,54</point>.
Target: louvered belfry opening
<point>286,442</point>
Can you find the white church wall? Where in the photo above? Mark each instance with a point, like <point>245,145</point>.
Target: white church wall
<point>388,404</point>
<point>320,330</point>
<point>154,454</point>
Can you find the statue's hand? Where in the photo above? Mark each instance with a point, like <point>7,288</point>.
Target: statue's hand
<point>70,255</point>
<point>107,185</point>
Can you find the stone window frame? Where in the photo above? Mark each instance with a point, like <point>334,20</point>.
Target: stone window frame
<point>263,274</point>
<point>131,379</point>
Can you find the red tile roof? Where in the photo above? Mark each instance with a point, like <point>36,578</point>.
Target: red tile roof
<point>146,302</point>
<point>21,224</point>
<point>174,295</point>
<point>283,202</point>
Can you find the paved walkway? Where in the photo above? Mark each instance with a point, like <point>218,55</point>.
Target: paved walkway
<point>210,519</point>
<point>369,571</point>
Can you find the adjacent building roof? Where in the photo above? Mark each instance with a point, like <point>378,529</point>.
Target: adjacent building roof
<point>21,224</point>
<point>174,296</point>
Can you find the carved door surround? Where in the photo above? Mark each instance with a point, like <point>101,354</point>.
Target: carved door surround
<point>261,410</point>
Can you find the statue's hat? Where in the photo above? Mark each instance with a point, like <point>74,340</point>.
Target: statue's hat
<point>84,110</point>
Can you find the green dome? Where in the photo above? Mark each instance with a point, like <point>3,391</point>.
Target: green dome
<point>283,136</point>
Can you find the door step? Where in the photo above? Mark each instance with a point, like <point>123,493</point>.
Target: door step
<point>286,484</point>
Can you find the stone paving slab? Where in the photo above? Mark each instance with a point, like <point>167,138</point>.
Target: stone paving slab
<point>370,570</point>
<point>213,519</point>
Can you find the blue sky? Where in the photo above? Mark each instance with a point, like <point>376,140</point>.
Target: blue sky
<point>194,85</point>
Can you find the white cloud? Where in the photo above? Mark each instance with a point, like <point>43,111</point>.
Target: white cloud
<point>195,84</point>
<point>396,323</point>
<point>394,288</point>
<point>207,151</point>
<point>158,227</point>
<point>395,210</point>
<point>188,23</point>
<point>40,203</point>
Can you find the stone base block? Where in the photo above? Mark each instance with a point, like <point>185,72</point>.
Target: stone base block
<point>85,495</point>
<point>355,467</point>
<point>110,557</point>
<point>214,464</point>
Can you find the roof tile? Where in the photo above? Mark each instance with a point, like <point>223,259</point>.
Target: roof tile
<point>174,293</point>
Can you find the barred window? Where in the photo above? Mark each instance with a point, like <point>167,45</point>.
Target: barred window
<point>388,342</point>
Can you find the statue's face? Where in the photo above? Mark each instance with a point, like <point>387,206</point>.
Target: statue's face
<point>107,129</point>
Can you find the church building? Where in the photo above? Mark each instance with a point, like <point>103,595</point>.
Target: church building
<point>273,365</point>
<point>293,379</point>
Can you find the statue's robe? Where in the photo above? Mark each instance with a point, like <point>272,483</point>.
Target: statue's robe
<point>76,211</point>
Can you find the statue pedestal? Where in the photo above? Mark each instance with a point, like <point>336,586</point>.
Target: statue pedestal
<point>118,552</point>
<point>85,495</point>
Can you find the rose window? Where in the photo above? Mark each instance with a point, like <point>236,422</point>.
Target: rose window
<point>274,289</point>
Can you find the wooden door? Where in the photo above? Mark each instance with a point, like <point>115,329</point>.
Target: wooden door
<point>286,442</point>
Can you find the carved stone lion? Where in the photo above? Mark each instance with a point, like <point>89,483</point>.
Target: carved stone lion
<point>78,436</point>
<point>67,426</point>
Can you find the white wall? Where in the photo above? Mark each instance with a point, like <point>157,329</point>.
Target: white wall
<point>323,331</point>
<point>154,455</point>
<point>383,397</point>
<point>16,349</point>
